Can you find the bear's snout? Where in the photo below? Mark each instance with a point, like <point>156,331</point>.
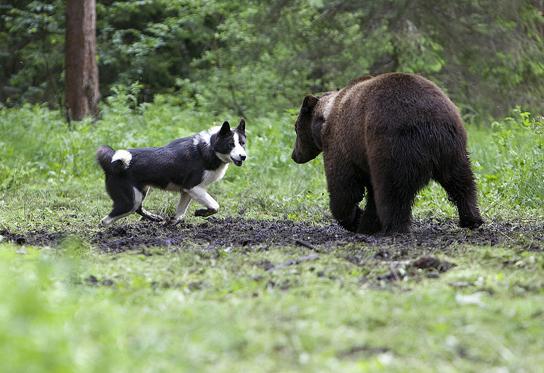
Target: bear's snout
<point>296,157</point>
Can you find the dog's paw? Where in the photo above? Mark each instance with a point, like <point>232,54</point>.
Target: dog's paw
<point>205,212</point>
<point>106,222</point>
<point>169,222</point>
<point>154,218</point>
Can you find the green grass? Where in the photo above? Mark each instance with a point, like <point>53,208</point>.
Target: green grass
<point>184,311</point>
<point>74,308</point>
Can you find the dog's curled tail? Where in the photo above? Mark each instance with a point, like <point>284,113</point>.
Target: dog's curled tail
<point>111,161</point>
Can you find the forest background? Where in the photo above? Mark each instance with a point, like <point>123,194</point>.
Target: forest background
<point>254,57</point>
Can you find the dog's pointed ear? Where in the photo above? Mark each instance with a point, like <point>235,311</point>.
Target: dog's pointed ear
<point>241,126</point>
<point>225,129</point>
<point>309,103</point>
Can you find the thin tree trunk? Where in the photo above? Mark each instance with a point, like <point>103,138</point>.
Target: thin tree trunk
<point>81,72</point>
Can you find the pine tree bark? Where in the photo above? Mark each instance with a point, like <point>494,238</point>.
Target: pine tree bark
<point>81,92</point>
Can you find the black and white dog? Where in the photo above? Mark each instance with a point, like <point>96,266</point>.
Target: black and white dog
<point>187,165</point>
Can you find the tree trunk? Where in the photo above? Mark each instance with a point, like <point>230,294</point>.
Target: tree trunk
<point>81,92</point>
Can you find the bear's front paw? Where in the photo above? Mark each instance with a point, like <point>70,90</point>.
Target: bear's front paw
<point>205,212</point>
<point>369,226</point>
<point>471,223</point>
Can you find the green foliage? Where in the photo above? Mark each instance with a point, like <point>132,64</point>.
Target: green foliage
<point>519,141</point>
<point>152,41</point>
<point>251,58</point>
<point>31,51</point>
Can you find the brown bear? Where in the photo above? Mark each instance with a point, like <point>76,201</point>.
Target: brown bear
<point>390,134</point>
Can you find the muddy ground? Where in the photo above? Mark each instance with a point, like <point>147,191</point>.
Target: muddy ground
<point>427,236</point>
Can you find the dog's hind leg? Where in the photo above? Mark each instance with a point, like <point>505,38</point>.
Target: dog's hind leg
<point>124,204</point>
<point>143,212</point>
<point>112,217</point>
<point>201,196</point>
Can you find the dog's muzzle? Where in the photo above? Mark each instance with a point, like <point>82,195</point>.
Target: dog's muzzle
<point>238,162</point>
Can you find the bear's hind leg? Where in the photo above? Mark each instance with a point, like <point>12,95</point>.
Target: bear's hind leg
<point>459,183</point>
<point>395,211</point>
<point>370,222</point>
<point>395,189</point>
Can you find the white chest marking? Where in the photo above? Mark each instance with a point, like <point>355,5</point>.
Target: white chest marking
<point>211,176</point>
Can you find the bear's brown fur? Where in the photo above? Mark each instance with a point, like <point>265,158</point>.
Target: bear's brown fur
<point>390,134</point>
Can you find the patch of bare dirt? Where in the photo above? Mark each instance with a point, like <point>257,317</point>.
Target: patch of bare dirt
<point>34,238</point>
<point>426,236</point>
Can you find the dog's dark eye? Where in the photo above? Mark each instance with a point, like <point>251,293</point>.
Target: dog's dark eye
<point>242,143</point>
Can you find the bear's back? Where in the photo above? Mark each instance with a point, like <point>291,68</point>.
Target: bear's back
<point>391,111</point>
<point>391,101</point>
<point>407,94</point>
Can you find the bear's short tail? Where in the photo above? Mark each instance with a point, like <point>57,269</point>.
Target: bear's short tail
<point>113,162</point>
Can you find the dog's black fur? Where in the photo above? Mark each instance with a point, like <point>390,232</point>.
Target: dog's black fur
<point>187,165</point>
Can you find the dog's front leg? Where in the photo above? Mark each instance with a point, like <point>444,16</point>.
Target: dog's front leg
<point>201,196</point>
<point>181,209</point>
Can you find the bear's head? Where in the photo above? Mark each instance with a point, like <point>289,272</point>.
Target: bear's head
<point>308,142</point>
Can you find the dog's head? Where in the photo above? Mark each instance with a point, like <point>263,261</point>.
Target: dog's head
<point>230,145</point>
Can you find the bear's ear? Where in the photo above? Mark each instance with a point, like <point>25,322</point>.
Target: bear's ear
<point>309,102</point>
<point>225,129</point>
<point>241,126</point>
